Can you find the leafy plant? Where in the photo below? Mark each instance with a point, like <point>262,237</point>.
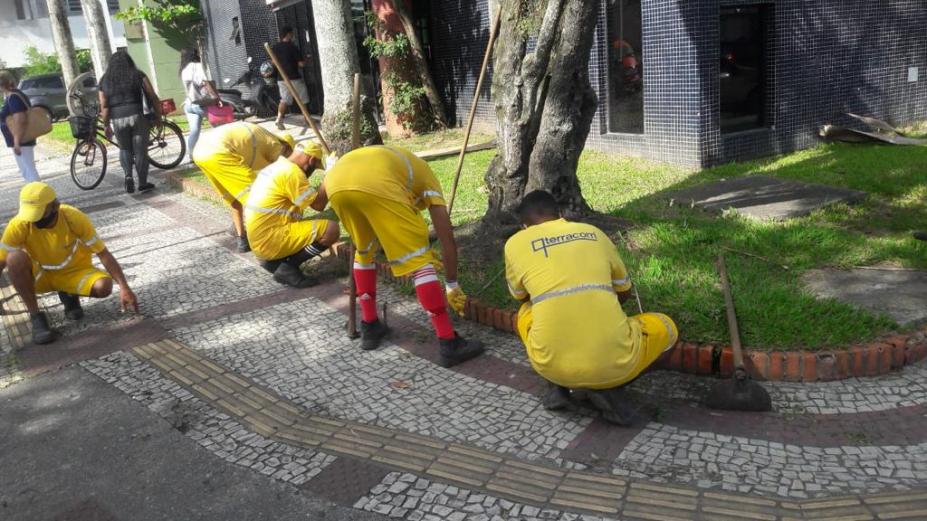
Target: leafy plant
<point>38,62</point>
<point>178,18</point>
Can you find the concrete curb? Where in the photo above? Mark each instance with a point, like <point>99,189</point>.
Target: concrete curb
<point>879,357</point>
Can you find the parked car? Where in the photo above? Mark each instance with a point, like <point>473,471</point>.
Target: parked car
<point>49,92</point>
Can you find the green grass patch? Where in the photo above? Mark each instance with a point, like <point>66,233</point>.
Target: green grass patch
<point>438,140</point>
<point>673,249</point>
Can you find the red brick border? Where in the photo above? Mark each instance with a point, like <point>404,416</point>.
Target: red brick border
<point>878,357</point>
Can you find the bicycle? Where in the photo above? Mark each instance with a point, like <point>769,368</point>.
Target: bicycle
<point>166,147</point>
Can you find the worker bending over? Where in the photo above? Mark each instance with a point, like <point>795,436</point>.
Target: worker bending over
<point>48,247</point>
<point>378,193</point>
<point>280,238</point>
<point>574,330</point>
<point>230,157</point>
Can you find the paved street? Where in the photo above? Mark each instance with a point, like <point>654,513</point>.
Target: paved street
<point>247,400</point>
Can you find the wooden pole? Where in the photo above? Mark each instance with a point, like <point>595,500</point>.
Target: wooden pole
<point>736,348</point>
<point>299,102</point>
<point>355,143</point>
<point>476,98</point>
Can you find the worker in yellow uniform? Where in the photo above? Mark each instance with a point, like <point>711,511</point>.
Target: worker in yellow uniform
<point>48,247</point>
<point>230,157</point>
<point>577,336</point>
<point>378,193</point>
<point>280,238</point>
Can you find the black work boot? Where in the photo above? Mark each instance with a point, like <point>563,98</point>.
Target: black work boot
<point>243,245</point>
<point>458,350</point>
<point>372,333</point>
<point>921,236</point>
<point>130,185</point>
<point>72,308</point>
<point>557,398</point>
<point>293,277</point>
<point>41,333</point>
<point>613,406</point>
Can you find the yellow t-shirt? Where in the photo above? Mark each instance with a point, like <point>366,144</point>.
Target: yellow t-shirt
<point>255,146</point>
<point>278,197</point>
<point>68,244</point>
<point>580,336</point>
<point>390,172</point>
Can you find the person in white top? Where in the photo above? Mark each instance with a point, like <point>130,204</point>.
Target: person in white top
<point>200,93</point>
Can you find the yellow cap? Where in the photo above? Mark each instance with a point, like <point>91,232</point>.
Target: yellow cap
<point>286,138</point>
<point>33,199</point>
<point>313,149</point>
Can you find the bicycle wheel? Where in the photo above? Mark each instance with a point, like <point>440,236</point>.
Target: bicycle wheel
<point>167,145</point>
<point>88,164</point>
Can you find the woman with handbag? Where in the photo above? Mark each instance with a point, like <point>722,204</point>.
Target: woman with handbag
<point>124,90</point>
<point>200,93</point>
<point>15,110</point>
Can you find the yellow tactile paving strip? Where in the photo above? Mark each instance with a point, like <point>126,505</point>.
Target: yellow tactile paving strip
<point>270,415</point>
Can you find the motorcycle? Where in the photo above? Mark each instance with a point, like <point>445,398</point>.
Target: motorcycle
<point>262,98</point>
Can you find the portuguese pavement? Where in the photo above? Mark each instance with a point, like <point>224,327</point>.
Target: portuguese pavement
<point>264,379</point>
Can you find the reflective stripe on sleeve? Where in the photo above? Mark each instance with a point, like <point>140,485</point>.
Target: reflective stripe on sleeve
<point>302,197</point>
<point>7,247</point>
<point>621,282</point>
<point>272,211</point>
<point>93,240</point>
<point>570,291</point>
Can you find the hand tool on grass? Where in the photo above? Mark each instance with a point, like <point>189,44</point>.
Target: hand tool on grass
<point>476,98</point>
<point>637,296</point>
<point>352,284</point>
<point>739,393</point>
<point>296,97</point>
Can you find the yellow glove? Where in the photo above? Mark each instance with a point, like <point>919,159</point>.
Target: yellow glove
<point>456,298</point>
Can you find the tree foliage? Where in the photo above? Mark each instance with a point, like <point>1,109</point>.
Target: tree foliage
<point>180,21</point>
<point>38,62</point>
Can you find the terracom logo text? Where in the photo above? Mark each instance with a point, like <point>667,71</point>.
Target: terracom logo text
<point>544,243</point>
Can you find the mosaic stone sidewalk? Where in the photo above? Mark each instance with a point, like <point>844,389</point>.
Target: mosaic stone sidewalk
<point>264,377</point>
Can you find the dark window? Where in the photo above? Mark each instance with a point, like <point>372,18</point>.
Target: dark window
<point>20,10</point>
<point>75,7</point>
<point>744,59</point>
<point>625,67</point>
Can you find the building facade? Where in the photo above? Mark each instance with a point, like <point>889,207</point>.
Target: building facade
<point>704,82</point>
<point>694,83</point>
<point>25,23</point>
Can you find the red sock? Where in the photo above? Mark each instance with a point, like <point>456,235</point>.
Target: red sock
<point>365,278</point>
<point>431,296</point>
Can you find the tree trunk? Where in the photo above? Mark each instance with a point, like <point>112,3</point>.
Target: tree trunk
<point>421,65</point>
<point>338,60</point>
<point>544,106</point>
<point>100,48</point>
<point>64,42</point>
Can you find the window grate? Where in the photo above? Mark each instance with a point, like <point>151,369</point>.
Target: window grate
<point>75,7</point>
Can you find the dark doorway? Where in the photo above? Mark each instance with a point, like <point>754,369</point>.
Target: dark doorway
<point>744,58</point>
<point>299,17</point>
<point>625,67</point>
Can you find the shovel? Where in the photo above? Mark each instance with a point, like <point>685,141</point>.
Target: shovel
<point>740,393</point>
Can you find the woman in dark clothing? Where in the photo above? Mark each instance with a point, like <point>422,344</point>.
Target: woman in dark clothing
<point>121,92</point>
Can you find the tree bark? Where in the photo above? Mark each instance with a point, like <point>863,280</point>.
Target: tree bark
<point>338,61</point>
<point>64,42</point>
<point>100,48</point>
<point>544,107</point>
<point>421,65</point>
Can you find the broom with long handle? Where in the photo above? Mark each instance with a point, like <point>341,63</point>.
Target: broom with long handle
<point>476,98</point>
<point>299,101</point>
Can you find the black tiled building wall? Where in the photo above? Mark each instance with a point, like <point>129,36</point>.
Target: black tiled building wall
<point>228,59</point>
<point>827,57</point>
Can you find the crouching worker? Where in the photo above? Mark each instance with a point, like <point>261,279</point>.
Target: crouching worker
<point>48,247</point>
<point>230,157</point>
<point>378,193</point>
<point>576,334</point>
<point>280,238</point>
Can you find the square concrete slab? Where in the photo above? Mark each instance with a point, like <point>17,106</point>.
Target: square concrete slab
<point>902,295</point>
<point>764,197</point>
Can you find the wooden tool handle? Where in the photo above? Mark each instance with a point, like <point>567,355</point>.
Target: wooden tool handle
<point>476,98</point>
<point>736,348</point>
<point>297,98</point>
<point>356,113</point>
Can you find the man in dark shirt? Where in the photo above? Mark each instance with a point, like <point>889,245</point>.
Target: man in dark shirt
<point>292,62</point>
